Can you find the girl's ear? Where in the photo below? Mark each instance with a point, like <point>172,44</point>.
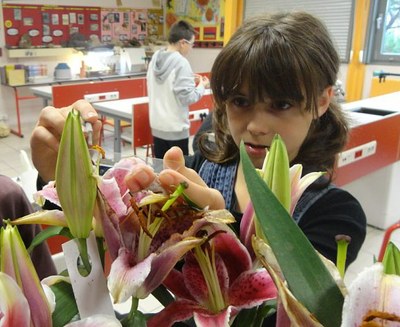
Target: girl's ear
<point>325,100</point>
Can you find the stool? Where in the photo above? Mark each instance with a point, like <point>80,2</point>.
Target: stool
<point>386,239</point>
<point>110,122</point>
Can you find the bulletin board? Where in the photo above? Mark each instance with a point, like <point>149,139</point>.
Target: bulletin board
<point>48,25</point>
<point>119,25</point>
<point>207,17</point>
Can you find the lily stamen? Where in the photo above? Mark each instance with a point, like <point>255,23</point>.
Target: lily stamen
<point>144,222</point>
<point>174,196</point>
<point>207,264</point>
<point>373,314</point>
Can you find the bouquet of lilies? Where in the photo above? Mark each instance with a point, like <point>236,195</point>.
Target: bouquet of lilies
<point>188,257</point>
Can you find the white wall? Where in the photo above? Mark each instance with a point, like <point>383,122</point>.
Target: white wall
<point>202,59</point>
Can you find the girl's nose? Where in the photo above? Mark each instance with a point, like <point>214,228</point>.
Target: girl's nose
<point>258,120</point>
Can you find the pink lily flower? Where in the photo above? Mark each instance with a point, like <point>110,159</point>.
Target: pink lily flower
<point>146,251</point>
<point>217,281</point>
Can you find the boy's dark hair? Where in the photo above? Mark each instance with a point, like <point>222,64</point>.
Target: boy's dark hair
<point>181,30</point>
<point>282,56</point>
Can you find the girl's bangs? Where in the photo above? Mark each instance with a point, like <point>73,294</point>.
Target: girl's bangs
<point>268,70</point>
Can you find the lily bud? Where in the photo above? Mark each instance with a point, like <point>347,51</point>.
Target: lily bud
<point>276,172</point>
<point>13,304</point>
<point>75,181</point>
<point>16,263</point>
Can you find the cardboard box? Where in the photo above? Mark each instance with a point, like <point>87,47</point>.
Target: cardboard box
<point>16,77</point>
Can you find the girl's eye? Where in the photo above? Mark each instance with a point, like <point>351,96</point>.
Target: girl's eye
<point>239,101</point>
<point>281,105</point>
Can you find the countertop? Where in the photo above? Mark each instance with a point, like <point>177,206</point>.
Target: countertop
<point>374,108</point>
<point>54,81</point>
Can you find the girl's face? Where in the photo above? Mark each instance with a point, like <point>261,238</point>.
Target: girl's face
<point>257,123</point>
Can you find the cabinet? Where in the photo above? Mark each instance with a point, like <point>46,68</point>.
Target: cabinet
<point>40,52</point>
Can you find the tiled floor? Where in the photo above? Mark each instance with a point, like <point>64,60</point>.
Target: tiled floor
<point>11,165</point>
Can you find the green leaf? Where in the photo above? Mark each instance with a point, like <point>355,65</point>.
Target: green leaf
<point>66,308</point>
<point>254,317</point>
<point>391,260</point>
<point>306,275</point>
<point>137,319</point>
<point>47,233</point>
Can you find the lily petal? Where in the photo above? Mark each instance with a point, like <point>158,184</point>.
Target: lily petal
<point>111,191</point>
<point>124,279</point>
<point>95,321</point>
<point>247,228</point>
<point>252,288</point>
<point>14,308</point>
<point>218,320</point>
<point>43,217</point>
<point>180,310</point>
<point>299,184</point>
<point>49,192</point>
<point>166,260</point>
<point>109,221</point>
<point>235,254</point>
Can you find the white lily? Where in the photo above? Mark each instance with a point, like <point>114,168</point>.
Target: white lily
<point>373,297</point>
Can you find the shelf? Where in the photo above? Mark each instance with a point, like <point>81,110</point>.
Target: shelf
<point>40,52</point>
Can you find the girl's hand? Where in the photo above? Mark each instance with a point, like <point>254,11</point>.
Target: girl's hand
<point>172,176</point>
<point>46,135</point>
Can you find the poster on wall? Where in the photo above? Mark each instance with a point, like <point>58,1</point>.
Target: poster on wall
<point>155,24</point>
<point>205,15</point>
<point>120,26</point>
<point>139,25</point>
<point>48,26</point>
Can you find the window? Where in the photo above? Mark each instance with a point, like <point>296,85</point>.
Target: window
<point>384,32</point>
<point>336,14</point>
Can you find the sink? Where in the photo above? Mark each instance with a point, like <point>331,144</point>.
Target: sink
<point>371,111</point>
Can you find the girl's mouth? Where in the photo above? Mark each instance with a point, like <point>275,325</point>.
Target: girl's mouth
<point>256,150</point>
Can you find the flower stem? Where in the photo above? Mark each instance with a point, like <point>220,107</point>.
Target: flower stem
<point>135,318</point>
<point>134,307</point>
<point>82,246</point>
